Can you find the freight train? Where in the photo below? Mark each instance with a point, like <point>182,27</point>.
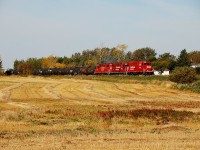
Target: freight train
<point>127,68</point>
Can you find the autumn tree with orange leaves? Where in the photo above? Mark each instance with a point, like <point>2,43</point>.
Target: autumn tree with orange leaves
<point>51,62</point>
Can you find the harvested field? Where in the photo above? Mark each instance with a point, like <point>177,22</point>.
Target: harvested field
<point>70,113</point>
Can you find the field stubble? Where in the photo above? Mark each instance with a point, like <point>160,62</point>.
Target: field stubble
<point>61,113</point>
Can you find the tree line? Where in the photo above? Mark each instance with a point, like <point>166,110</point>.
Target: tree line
<point>165,61</point>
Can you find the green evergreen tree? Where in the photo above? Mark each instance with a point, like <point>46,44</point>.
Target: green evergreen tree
<point>183,59</point>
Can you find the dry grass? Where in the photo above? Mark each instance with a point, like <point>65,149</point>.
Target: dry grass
<point>60,113</point>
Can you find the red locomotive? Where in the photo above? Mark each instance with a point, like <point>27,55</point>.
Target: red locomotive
<point>132,68</point>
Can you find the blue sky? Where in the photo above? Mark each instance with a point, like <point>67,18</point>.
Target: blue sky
<point>39,28</point>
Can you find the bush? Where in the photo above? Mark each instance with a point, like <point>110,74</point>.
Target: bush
<point>195,87</point>
<point>197,70</point>
<point>183,75</point>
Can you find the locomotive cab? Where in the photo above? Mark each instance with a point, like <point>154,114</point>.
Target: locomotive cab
<point>147,68</point>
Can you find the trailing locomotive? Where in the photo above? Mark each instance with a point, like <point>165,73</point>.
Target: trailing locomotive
<point>127,68</point>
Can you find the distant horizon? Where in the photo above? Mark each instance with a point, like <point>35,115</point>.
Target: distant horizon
<point>35,28</point>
